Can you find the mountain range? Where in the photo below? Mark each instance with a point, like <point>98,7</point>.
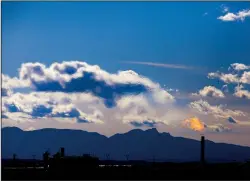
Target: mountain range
<point>137,144</point>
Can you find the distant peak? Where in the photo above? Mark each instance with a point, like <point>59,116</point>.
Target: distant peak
<point>11,128</point>
<point>153,130</point>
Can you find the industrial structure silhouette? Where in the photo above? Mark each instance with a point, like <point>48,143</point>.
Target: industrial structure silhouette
<point>62,166</point>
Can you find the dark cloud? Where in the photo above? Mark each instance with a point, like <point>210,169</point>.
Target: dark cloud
<point>147,123</point>
<point>73,112</point>
<point>232,120</point>
<point>218,128</point>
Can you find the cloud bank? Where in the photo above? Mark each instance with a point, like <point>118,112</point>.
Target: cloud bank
<point>75,92</point>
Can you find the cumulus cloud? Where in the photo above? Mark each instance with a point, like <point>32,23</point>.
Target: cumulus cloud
<point>235,121</point>
<point>210,91</point>
<point>4,116</point>
<point>239,74</point>
<point>227,78</point>
<point>8,84</point>
<point>239,66</point>
<point>172,90</point>
<point>217,128</point>
<point>138,110</point>
<point>241,15</point>
<point>76,76</point>
<point>232,120</point>
<point>30,129</point>
<point>240,92</point>
<point>76,92</point>
<point>12,82</point>
<point>245,78</point>
<point>144,123</point>
<point>19,117</point>
<point>69,89</point>
<point>225,88</point>
<point>196,124</point>
<point>6,92</point>
<point>70,111</point>
<point>51,104</point>
<point>219,111</point>
<point>224,8</point>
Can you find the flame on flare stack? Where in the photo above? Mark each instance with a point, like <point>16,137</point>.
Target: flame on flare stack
<point>194,123</point>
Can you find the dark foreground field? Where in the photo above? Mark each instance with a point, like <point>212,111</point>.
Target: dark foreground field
<point>164,171</point>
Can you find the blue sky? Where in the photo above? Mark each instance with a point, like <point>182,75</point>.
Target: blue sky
<point>109,34</point>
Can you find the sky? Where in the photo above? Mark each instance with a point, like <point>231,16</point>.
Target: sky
<point>109,67</point>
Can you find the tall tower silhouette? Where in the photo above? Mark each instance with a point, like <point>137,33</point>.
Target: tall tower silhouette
<point>202,149</point>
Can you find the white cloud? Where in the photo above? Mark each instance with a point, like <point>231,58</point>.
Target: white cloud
<point>239,92</point>
<point>210,91</point>
<point>233,78</point>
<point>219,112</point>
<point>224,8</point>
<point>235,121</point>
<point>30,129</point>
<point>217,128</point>
<point>239,66</point>
<point>241,15</point>
<point>8,82</point>
<point>72,89</point>
<point>227,78</point>
<point>52,104</point>
<point>70,111</point>
<point>225,88</point>
<point>245,78</point>
<point>67,71</point>
<point>140,110</point>
<point>76,76</point>
<point>19,117</point>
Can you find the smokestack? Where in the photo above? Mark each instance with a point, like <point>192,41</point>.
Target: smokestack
<point>62,152</point>
<point>202,149</point>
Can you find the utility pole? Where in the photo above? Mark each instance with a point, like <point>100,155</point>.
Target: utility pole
<point>14,156</point>
<point>34,161</point>
<point>127,156</point>
<point>107,156</point>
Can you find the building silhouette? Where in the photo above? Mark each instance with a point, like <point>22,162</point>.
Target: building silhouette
<point>59,162</point>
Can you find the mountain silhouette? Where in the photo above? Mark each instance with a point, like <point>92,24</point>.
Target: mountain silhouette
<point>138,144</point>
